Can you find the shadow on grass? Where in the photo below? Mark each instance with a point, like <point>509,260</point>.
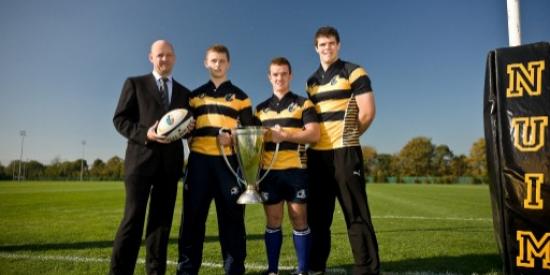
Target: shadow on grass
<point>93,244</point>
<point>464,264</point>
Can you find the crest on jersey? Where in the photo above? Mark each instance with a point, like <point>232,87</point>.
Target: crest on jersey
<point>229,97</point>
<point>291,107</point>
<point>334,80</point>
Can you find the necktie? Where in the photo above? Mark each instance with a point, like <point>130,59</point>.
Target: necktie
<point>164,92</point>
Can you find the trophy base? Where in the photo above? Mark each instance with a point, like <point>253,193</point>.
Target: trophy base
<point>249,197</point>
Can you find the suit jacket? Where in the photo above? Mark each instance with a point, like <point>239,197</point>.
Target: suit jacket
<point>138,108</point>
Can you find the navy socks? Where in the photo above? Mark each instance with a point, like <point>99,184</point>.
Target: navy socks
<point>273,240</point>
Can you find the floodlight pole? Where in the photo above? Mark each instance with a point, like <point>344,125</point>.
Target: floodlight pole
<point>22,133</point>
<point>514,23</point>
<point>82,160</point>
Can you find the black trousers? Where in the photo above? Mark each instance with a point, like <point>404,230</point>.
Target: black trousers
<point>339,174</point>
<point>160,192</point>
<point>208,178</point>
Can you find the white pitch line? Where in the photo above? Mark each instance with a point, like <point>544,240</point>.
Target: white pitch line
<point>74,259</point>
<point>77,259</point>
<point>431,218</point>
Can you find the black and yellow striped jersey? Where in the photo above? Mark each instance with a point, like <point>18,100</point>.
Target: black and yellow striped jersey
<point>214,108</point>
<point>291,113</point>
<point>333,93</point>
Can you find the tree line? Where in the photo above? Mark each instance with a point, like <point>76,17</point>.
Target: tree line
<point>419,161</point>
<point>113,169</point>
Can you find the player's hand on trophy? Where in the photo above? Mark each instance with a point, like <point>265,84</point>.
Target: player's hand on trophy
<point>153,136</point>
<point>224,137</point>
<point>278,134</point>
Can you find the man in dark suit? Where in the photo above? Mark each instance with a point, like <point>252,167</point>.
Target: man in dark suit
<point>152,165</point>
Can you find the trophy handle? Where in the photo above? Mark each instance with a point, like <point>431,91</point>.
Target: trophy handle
<point>239,179</point>
<point>270,164</point>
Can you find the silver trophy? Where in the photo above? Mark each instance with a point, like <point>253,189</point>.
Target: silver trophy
<point>248,147</point>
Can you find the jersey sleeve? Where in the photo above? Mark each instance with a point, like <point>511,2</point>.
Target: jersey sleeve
<point>246,117</point>
<point>360,81</point>
<point>309,114</point>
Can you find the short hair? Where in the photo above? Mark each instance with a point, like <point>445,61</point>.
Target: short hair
<point>219,48</point>
<point>280,61</point>
<point>326,31</point>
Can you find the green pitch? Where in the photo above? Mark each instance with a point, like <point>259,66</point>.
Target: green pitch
<point>68,228</point>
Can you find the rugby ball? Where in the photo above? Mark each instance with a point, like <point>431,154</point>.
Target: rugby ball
<point>173,125</point>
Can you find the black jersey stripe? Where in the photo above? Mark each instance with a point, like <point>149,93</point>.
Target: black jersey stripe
<point>215,109</point>
<point>206,132</point>
<point>310,115</point>
<point>283,122</point>
<point>332,95</point>
<point>332,116</point>
<point>270,146</point>
<point>224,95</point>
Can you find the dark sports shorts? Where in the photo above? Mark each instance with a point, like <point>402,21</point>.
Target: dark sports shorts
<point>289,185</point>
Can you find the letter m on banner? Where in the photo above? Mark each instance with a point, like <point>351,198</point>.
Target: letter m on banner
<point>531,248</point>
<point>521,78</point>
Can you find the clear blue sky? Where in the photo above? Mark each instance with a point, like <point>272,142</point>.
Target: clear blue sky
<point>64,62</point>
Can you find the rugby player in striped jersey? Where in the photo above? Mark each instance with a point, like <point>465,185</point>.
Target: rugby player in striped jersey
<point>293,123</point>
<point>344,100</point>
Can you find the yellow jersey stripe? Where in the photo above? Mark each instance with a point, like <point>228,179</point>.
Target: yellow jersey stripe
<point>208,146</point>
<point>215,120</point>
<point>356,74</point>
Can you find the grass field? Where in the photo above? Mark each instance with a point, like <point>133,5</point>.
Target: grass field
<point>68,228</point>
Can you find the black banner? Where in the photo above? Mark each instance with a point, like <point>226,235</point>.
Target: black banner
<point>516,113</point>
